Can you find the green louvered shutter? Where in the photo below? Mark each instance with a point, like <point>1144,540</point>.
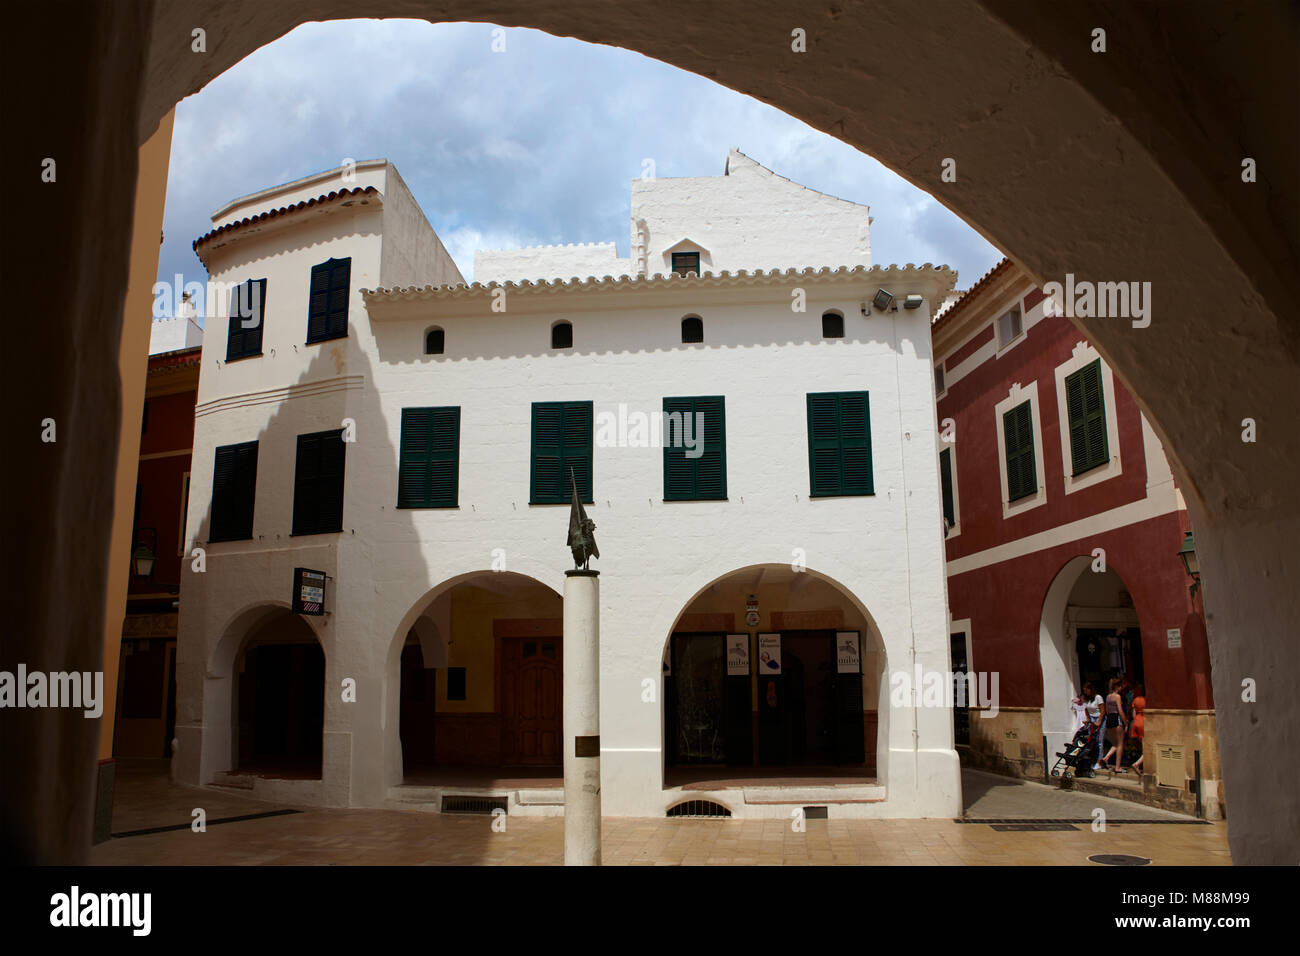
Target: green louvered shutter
<point>945,481</point>
<point>429,460</point>
<point>679,471</point>
<point>1018,437</point>
<point>318,483</point>
<point>234,488</point>
<point>577,450</point>
<point>839,444</point>
<point>327,311</point>
<point>561,440</point>
<point>1086,409</point>
<point>855,444</point>
<point>703,477</point>
<point>824,444</point>
<point>247,304</point>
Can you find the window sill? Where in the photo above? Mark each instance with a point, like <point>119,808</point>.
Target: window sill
<point>327,338</point>
<point>309,534</point>
<point>669,501</point>
<point>451,507</point>
<point>248,537</point>
<point>567,501</point>
<point>240,358</point>
<point>846,494</point>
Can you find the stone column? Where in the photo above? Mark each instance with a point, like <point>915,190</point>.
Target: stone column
<point>581,740</point>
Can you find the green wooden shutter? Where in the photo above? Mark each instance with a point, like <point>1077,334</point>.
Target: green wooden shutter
<point>855,444</point>
<point>1086,409</point>
<point>839,444</point>
<point>234,486</point>
<point>247,300</point>
<point>561,440</point>
<point>679,471</point>
<point>318,483</point>
<point>429,459</point>
<point>577,450</point>
<point>1018,437</point>
<point>824,444</point>
<point>327,311</point>
<point>711,466</point>
<point>945,481</point>
<point>703,478</point>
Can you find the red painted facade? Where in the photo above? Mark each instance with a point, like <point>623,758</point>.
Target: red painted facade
<point>1004,599</point>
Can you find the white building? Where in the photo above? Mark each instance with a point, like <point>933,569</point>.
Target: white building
<point>440,518</point>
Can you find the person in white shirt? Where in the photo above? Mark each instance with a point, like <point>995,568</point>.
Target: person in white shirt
<point>1078,715</point>
<point>1092,707</point>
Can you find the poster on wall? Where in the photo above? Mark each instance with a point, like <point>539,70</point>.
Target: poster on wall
<point>848,659</point>
<point>737,655</point>
<point>769,653</point>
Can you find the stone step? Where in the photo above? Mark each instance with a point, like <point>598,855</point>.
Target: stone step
<point>233,780</point>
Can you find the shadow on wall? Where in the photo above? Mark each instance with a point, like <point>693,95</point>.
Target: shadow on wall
<point>242,597</point>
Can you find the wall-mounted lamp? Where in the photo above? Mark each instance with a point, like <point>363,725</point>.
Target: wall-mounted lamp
<point>912,302</point>
<point>142,558</point>
<point>882,300</point>
<point>1193,565</point>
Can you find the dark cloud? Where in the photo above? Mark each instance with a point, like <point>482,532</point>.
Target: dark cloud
<point>536,144</point>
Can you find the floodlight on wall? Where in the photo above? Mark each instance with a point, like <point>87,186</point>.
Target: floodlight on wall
<point>1191,563</point>
<point>882,300</point>
<point>912,302</point>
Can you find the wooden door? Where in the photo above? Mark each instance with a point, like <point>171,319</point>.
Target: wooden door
<point>531,705</point>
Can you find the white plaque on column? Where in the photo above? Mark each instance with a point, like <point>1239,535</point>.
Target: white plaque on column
<point>737,655</point>
<point>848,656</point>
<point>769,653</point>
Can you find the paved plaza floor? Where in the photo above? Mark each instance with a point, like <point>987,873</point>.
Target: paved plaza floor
<point>147,801</point>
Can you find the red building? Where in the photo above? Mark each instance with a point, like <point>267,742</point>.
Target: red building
<point>146,687</point>
<point>1063,546</point>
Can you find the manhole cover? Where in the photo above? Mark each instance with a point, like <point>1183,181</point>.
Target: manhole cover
<point>1119,859</point>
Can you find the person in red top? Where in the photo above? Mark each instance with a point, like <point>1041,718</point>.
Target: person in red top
<point>1139,723</point>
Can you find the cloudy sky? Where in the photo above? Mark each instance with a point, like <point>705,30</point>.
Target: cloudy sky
<point>533,145</point>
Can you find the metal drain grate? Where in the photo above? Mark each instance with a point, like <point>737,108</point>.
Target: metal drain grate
<point>1119,859</point>
<point>699,809</point>
<point>472,804</point>
<point>1031,827</point>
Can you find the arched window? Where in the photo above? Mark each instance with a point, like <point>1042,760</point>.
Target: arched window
<point>562,335</point>
<point>692,329</point>
<point>434,340</point>
<point>832,325</point>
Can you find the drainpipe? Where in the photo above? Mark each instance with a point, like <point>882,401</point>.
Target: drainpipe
<point>911,621</point>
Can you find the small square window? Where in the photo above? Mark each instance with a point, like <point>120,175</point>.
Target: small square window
<point>1009,328</point>
<point>684,262</point>
<point>455,683</point>
<point>832,325</point>
<point>939,385</point>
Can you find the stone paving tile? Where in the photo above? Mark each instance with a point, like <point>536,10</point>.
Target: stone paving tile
<point>405,837</point>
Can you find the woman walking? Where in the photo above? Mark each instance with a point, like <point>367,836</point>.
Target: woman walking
<point>1116,724</point>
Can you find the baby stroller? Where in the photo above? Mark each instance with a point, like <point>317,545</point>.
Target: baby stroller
<point>1077,757</point>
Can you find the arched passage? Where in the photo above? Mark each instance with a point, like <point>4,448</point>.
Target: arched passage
<point>775,673</point>
<point>1089,633</point>
<point>475,682</point>
<point>270,723</point>
<point>1097,146</point>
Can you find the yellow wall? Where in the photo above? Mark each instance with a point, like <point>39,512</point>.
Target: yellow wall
<point>133,362</point>
<point>471,643</point>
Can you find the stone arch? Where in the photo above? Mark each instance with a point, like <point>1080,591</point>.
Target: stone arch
<point>1036,120</point>
<point>873,651</point>
<point>428,621</point>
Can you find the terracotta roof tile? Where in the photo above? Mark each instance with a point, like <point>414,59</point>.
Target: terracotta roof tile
<point>284,210</point>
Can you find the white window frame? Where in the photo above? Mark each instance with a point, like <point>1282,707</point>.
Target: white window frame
<point>951,449</point>
<point>1083,355</point>
<point>1004,347</point>
<point>943,373</point>
<point>1018,396</point>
